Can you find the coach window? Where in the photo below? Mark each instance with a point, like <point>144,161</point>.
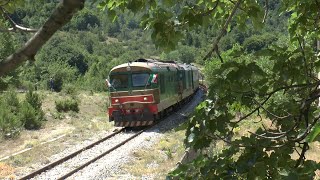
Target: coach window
<point>140,80</point>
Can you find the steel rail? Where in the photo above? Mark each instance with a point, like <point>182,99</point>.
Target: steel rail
<point>53,164</point>
<point>110,150</point>
<point>50,166</point>
<point>101,155</point>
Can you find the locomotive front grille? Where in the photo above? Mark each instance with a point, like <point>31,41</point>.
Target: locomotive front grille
<point>133,123</point>
<point>133,118</point>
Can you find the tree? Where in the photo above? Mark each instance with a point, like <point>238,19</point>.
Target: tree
<point>278,84</point>
<point>85,19</point>
<point>60,16</point>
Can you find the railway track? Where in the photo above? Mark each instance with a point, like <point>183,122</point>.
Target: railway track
<point>44,172</point>
<point>59,162</point>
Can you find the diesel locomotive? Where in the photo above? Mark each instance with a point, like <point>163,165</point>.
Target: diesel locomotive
<point>145,90</point>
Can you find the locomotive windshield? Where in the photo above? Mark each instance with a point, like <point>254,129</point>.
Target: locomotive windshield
<point>119,81</point>
<point>141,79</point>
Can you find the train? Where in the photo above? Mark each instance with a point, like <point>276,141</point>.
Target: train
<point>145,90</point>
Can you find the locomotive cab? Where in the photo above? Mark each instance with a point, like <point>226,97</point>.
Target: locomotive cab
<point>133,95</point>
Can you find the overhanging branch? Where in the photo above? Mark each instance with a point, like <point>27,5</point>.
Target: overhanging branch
<point>223,30</point>
<point>60,16</point>
<point>14,25</point>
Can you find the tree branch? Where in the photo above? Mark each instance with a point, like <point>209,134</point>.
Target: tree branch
<point>255,110</point>
<point>223,31</point>
<point>294,86</point>
<point>5,3</point>
<point>60,16</point>
<point>302,157</point>
<point>266,6</point>
<point>306,132</point>
<point>14,25</point>
<point>268,112</point>
<point>210,10</point>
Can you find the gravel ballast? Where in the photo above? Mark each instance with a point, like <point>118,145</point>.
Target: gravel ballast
<point>109,166</point>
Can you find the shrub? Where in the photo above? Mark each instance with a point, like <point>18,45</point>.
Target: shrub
<point>31,118</point>
<point>12,102</point>
<point>67,105</point>
<point>10,124</point>
<point>258,42</point>
<point>34,100</point>
<point>69,89</point>
<point>31,113</point>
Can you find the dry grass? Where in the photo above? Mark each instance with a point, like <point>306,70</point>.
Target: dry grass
<point>71,127</point>
<point>160,159</point>
<point>6,171</point>
<point>251,126</point>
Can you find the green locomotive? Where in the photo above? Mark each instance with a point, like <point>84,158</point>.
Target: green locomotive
<point>143,91</point>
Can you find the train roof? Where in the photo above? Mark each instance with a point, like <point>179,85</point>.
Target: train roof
<point>151,65</point>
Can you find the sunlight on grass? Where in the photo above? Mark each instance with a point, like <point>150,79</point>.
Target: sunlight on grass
<point>160,159</point>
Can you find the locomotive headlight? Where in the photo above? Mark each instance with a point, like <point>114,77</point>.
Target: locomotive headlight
<point>117,100</point>
<point>145,98</point>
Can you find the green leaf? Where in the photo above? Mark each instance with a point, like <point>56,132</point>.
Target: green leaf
<point>314,133</point>
<point>112,15</point>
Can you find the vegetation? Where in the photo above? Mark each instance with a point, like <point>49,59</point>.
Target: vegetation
<point>67,105</point>
<point>260,58</point>
<point>264,77</point>
<point>31,112</point>
<point>16,115</point>
<point>156,161</point>
<point>9,116</point>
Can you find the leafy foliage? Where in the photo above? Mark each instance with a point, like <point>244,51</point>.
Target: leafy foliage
<point>31,112</point>
<point>67,105</point>
<point>279,83</point>
<point>30,117</point>
<point>263,73</point>
<point>271,84</point>
<point>15,115</point>
<point>10,124</point>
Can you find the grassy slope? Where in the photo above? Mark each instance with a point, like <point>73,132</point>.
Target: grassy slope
<point>68,128</point>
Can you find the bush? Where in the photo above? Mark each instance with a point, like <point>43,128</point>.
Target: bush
<point>34,100</point>
<point>12,102</point>
<point>15,115</point>
<point>67,105</point>
<point>258,42</point>
<point>69,89</point>
<point>31,113</point>
<point>31,118</point>
<point>10,124</point>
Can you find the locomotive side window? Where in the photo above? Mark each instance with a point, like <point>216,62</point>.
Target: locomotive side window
<point>139,80</point>
<point>119,80</point>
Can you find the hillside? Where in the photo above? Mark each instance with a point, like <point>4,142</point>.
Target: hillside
<point>260,60</point>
